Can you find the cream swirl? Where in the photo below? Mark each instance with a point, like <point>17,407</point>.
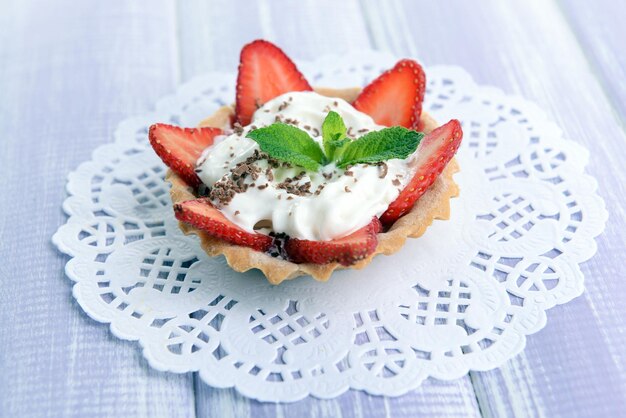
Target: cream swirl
<point>320,206</point>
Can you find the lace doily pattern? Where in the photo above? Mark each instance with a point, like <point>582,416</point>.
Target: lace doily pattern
<point>462,297</point>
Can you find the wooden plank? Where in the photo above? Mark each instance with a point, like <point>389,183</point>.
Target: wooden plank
<point>434,398</point>
<point>575,366</point>
<point>211,33</point>
<point>305,30</point>
<point>70,72</point>
<point>599,28</point>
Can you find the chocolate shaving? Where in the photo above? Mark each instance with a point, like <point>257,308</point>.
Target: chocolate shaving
<point>395,182</point>
<point>237,128</point>
<point>234,182</point>
<point>319,189</point>
<point>347,189</point>
<point>383,170</point>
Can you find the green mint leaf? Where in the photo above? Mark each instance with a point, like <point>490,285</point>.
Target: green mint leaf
<point>333,130</point>
<point>377,146</point>
<point>338,146</point>
<point>289,144</point>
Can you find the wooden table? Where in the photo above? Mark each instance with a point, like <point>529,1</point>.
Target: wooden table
<point>71,71</point>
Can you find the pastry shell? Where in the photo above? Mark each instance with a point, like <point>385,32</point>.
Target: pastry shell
<point>434,204</point>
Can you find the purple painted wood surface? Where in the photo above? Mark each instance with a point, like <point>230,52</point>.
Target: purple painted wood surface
<point>69,72</point>
<point>68,75</point>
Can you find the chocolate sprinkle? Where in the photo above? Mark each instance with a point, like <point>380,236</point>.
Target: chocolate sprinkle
<point>383,169</point>
<point>237,128</point>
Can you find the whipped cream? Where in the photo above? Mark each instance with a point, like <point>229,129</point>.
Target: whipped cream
<point>334,204</point>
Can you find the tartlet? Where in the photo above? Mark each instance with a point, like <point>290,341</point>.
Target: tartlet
<point>434,204</point>
<point>425,195</point>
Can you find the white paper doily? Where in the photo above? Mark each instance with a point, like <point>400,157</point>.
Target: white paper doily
<point>462,297</point>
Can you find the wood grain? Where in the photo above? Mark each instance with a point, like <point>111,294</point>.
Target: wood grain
<point>304,30</point>
<point>69,73</point>
<point>574,366</point>
<point>599,29</point>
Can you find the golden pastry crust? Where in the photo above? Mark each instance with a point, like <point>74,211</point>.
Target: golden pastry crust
<point>434,204</point>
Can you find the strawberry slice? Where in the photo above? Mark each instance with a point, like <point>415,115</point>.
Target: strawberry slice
<point>180,148</point>
<point>395,97</point>
<point>265,72</point>
<point>347,250</point>
<point>203,215</point>
<point>434,152</point>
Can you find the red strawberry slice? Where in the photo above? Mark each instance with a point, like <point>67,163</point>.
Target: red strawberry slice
<point>434,152</point>
<point>395,97</point>
<point>347,250</point>
<point>180,148</point>
<point>203,215</point>
<point>265,72</point>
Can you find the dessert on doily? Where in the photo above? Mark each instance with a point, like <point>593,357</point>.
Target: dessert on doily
<point>294,180</point>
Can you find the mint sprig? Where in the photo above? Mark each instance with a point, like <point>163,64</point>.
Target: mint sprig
<point>289,144</point>
<point>333,134</point>
<point>292,145</point>
<point>377,146</point>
